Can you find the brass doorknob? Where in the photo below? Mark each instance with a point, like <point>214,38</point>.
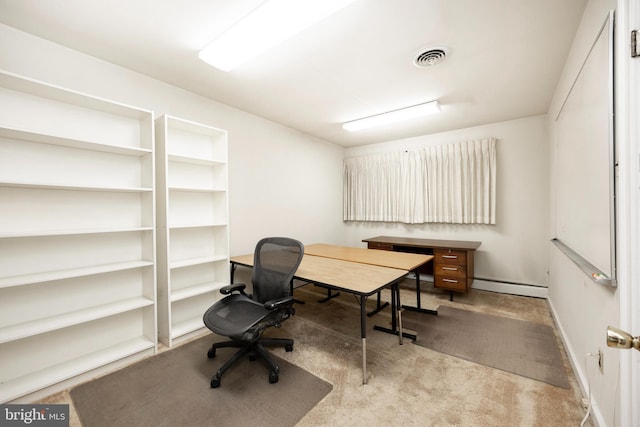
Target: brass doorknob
<point>617,338</point>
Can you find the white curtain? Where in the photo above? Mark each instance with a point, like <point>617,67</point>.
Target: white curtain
<point>449,183</point>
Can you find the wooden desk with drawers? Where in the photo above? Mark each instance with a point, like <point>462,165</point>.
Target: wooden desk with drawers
<point>452,262</point>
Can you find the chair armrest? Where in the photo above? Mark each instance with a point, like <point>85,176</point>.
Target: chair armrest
<point>278,303</point>
<point>240,287</point>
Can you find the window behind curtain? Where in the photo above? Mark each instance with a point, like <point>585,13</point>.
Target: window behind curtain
<point>449,183</point>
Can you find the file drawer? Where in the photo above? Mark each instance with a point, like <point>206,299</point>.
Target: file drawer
<point>450,256</point>
<point>381,246</point>
<point>452,271</point>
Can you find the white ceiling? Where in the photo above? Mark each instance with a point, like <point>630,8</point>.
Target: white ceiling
<point>505,57</point>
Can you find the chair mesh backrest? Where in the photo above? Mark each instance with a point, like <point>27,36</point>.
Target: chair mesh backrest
<point>276,260</point>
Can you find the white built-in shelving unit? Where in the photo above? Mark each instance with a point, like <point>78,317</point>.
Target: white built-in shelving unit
<point>193,229</point>
<point>77,235</point>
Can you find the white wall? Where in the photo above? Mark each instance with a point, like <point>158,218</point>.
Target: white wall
<point>583,309</point>
<point>282,182</point>
<point>515,249</point>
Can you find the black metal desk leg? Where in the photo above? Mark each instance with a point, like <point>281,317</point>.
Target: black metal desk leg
<point>297,301</point>
<point>418,288</point>
<point>378,307</point>
<point>329,296</point>
<point>363,334</point>
<point>399,310</point>
<point>232,272</point>
<point>418,308</point>
<point>395,308</point>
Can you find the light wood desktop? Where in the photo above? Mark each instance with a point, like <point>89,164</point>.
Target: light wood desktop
<point>402,261</point>
<point>348,276</point>
<point>362,279</point>
<point>385,258</point>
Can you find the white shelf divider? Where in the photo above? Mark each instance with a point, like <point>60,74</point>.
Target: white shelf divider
<point>50,276</point>
<point>71,232</point>
<point>24,135</point>
<point>37,327</point>
<point>196,261</point>
<point>196,290</point>
<point>46,186</point>
<point>195,160</point>
<point>183,328</point>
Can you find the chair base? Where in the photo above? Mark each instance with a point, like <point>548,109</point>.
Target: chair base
<point>253,349</point>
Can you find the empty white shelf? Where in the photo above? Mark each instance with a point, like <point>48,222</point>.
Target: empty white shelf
<point>49,276</point>
<point>196,290</point>
<point>25,135</point>
<point>195,261</point>
<point>43,378</point>
<point>46,186</point>
<point>40,326</point>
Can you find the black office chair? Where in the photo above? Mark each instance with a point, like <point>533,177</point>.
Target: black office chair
<point>244,318</point>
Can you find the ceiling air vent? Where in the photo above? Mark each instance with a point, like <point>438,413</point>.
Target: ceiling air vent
<point>430,56</point>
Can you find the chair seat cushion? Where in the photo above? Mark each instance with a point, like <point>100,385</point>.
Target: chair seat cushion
<point>234,315</point>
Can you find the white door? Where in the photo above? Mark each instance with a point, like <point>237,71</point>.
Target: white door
<point>628,18</point>
<point>630,363</point>
<point>634,74</point>
<point>630,366</point>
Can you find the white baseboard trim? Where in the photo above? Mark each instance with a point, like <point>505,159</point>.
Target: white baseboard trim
<point>497,286</point>
<point>510,288</point>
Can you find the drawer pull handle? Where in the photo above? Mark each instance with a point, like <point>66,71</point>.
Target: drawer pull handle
<point>450,256</point>
<point>449,280</point>
<point>450,268</point>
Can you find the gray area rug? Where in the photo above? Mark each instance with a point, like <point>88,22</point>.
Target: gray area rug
<point>173,389</point>
<point>523,348</point>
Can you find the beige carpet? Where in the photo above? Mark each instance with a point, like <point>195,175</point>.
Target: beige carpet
<point>520,347</point>
<point>172,389</point>
<point>410,385</point>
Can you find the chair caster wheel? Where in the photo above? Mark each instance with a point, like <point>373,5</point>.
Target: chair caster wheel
<point>215,382</point>
<point>288,347</point>
<point>273,377</point>
<point>211,353</point>
<point>252,357</point>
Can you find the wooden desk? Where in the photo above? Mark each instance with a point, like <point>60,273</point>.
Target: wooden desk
<point>452,264</point>
<point>401,260</point>
<point>362,280</point>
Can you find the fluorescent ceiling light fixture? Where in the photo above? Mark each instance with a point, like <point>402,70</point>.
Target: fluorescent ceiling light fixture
<point>419,110</point>
<point>271,23</point>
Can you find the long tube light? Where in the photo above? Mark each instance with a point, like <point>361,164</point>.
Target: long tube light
<point>419,110</point>
<point>271,23</point>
